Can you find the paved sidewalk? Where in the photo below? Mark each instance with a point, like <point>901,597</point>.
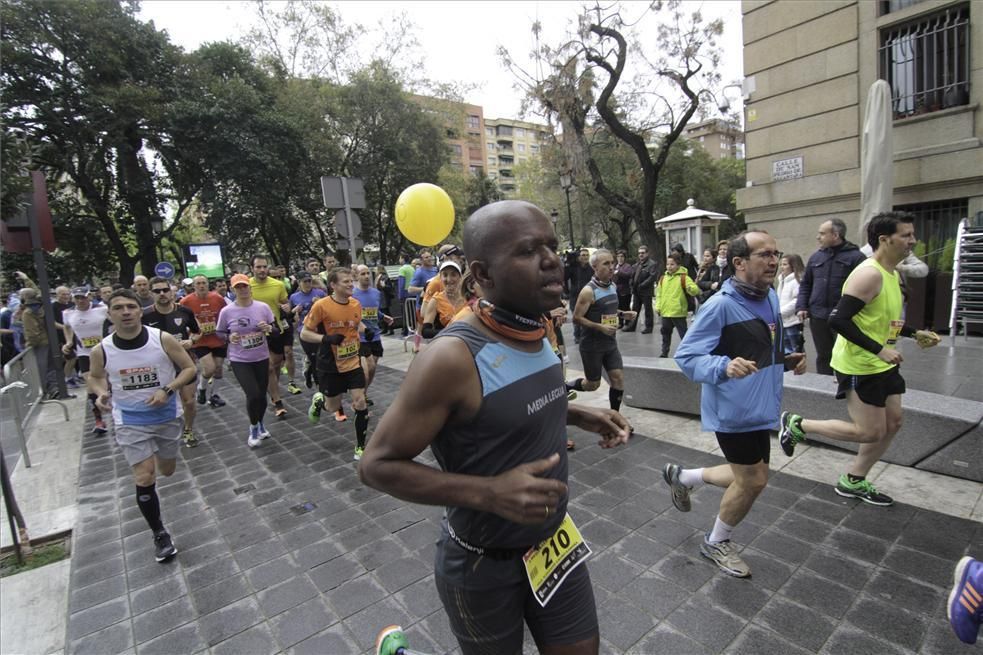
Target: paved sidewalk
<point>283,550</point>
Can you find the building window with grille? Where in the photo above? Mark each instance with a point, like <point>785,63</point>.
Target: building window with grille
<point>926,62</point>
<point>474,122</point>
<point>936,224</point>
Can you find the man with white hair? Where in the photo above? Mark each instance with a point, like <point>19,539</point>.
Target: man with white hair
<point>597,313</point>
<point>142,287</point>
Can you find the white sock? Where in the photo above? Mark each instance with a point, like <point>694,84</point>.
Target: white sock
<point>692,478</point>
<point>202,382</point>
<point>721,531</point>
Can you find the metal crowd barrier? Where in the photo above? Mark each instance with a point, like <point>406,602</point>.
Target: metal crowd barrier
<point>24,392</point>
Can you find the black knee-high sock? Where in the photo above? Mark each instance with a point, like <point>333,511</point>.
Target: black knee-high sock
<point>361,425</point>
<point>149,506</point>
<point>576,385</point>
<point>96,412</point>
<point>614,396</point>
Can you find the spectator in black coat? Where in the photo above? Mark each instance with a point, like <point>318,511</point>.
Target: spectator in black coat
<point>643,280</point>
<point>822,285</point>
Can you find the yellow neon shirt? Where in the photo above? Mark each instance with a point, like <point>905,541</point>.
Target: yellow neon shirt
<point>271,291</point>
<point>880,319</point>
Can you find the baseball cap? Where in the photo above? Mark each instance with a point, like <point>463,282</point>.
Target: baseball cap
<point>187,281</point>
<point>450,264</point>
<point>303,275</point>
<point>238,279</point>
<point>80,291</point>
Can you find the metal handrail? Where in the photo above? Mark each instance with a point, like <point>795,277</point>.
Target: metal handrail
<point>25,388</point>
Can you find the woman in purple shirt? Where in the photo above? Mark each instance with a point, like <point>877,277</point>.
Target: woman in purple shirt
<point>246,324</point>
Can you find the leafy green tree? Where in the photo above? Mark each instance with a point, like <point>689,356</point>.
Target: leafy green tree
<point>89,85</point>
<point>589,83</point>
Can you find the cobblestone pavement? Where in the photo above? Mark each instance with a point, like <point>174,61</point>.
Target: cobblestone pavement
<point>283,550</point>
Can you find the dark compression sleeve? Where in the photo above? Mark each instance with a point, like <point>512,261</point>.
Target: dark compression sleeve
<point>841,322</point>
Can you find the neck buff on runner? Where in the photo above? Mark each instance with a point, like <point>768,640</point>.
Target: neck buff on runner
<point>721,261</point>
<point>603,285</point>
<point>509,324</point>
<point>749,290</point>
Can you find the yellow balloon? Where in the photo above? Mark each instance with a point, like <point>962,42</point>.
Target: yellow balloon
<point>424,214</point>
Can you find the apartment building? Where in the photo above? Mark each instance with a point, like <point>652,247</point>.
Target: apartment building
<point>508,143</point>
<point>808,65</point>
<point>720,138</point>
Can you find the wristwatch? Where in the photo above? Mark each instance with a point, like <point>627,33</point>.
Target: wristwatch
<point>168,391</point>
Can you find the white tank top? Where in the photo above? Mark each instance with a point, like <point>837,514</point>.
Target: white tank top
<point>87,327</point>
<point>134,376</point>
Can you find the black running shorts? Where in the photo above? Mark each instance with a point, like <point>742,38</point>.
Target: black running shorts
<point>333,383</point>
<point>370,349</point>
<point>202,351</point>
<point>597,361</point>
<point>871,389</point>
<point>745,448</point>
<point>489,600</point>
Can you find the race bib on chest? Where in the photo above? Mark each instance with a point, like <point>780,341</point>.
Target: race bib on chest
<point>370,313</point>
<point>207,327</point>
<point>894,332</point>
<point>346,350</point>
<point>549,563</point>
<point>90,342</point>
<point>609,319</point>
<point>251,340</point>
<point>145,377</point>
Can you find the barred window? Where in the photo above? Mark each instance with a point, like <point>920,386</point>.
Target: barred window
<point>935,227</point>
<point>926,62</point>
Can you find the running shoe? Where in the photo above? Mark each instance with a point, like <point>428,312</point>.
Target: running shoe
<point>863,490</point>
<point>965,608</point>
<point>283,370</point>
<point>391,641</point>
<point>358,453</point>
<point>571,395</point>
<point>724,555</point>
<point>262,432</point>
<point>317,404</point>
<point>791,432</point>
<point>216,401</point>
<point>100,427</point>
<point>680,492</point>
<point>253,441</point>
<point>293,388</point>
<point>368,402</point>
<point>71,383</point>
<point>190,440</point>
<point>308,376</point>
<point>163,546</point>
<point>201,396</point>
<point>279,410</point>
<point>340,416</point>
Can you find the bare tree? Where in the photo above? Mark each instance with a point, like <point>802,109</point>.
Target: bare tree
<point>604,79</point>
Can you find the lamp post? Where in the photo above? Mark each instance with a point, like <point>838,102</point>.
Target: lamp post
<point>566,182</point>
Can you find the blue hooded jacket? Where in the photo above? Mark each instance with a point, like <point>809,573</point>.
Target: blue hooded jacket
<point>726,328</point>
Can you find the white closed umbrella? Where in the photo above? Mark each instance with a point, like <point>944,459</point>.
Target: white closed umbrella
<point>877,168</point>
<point>876,155</point>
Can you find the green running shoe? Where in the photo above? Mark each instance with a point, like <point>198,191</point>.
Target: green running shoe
<point>317,404</point>
<point>791,432</point>
<point>863,490</point>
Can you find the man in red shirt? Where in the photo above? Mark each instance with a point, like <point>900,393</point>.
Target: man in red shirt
<point>209,350</point>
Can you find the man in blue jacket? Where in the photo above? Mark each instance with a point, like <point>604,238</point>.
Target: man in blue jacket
<point>734,349</point>
<point>822,285</point>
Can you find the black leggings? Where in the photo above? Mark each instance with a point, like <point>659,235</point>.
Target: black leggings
<point>253,378</point>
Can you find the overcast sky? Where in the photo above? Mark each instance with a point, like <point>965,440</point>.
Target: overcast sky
<point>459,40</point>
